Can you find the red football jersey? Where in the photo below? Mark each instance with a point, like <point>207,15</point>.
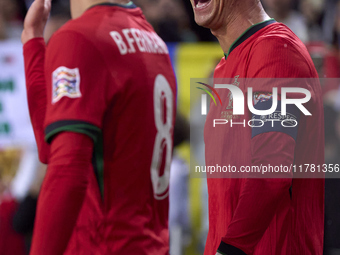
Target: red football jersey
<point>265,215</point>
<point>109,76</point>
<point>11,242</point>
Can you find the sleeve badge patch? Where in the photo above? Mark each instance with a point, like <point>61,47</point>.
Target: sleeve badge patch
<point>262,97</point>
<point>65,82</point>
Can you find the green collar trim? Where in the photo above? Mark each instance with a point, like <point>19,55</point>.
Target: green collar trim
<point>248,33</point>
<point>129,5</point>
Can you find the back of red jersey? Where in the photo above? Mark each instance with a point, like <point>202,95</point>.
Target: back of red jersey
<point>109,76</point>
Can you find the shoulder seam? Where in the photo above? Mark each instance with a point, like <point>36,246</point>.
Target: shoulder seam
<point>89,42</point>
<point>259,40</point>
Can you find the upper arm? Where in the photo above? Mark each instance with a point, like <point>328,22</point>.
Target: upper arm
<point>77,79</point>
<point>275,62</point>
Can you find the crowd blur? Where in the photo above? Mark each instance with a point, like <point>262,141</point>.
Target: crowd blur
<point>315,22</point>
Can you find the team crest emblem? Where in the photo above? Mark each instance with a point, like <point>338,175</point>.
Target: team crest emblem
<point>65,82</point>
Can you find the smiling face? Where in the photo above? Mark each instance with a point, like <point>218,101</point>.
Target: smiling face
<point>212,13</point>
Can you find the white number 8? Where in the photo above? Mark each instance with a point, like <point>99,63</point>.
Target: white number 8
<point>162,96</point>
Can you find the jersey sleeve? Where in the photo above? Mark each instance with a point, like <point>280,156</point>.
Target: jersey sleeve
<point>77,82</point>
<point>62,193</point>
<point>34,57</point>
<point>271,59</point>
<point>279,57</point>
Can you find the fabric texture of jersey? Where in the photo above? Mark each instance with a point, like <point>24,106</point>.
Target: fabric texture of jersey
<point>109,76</point>
<point>265,216</point>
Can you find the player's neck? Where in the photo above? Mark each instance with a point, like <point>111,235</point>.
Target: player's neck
<point>78,7</point>
<point>238,23</point>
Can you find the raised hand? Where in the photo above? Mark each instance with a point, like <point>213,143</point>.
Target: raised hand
<point>35,20</point>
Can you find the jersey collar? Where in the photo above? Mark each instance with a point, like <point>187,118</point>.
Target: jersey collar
<point>129,5</point>
<point>248,33</point>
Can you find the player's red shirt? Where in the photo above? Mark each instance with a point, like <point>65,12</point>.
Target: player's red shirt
<point>265,216</point>
<point>11,243</point>
<point>109,76</point>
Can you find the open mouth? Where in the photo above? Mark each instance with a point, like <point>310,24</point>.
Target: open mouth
<point>201,3</point>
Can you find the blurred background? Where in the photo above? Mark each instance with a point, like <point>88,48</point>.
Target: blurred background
<point>194,52</point>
